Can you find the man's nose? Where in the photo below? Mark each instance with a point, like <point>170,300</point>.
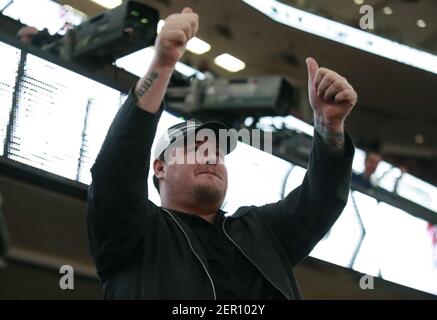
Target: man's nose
<point>210,158</point>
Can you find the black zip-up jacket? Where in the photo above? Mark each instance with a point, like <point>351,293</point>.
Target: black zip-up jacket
<point>142,251</point>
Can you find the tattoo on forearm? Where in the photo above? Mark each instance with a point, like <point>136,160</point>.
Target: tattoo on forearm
<point>333,139</point>
<point>146,83</point>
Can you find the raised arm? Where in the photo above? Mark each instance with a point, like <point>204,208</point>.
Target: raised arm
<point>118,209</point>
<point>302,218</point>
<point>332,98</point>
<point>170,46</point>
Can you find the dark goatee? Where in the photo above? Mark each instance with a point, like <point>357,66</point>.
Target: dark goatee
<point>208,194</point>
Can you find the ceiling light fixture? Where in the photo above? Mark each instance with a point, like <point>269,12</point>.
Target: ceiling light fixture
<point>421,23</point>
<point>198,46</point>
<point>109,4</point>
<point>229,62</point>
<point>387,11</point>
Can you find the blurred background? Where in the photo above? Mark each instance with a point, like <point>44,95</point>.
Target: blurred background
<point>66,67</point>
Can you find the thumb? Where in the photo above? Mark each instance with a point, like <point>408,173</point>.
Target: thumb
<point>312,69</point>
<point>187,10</point>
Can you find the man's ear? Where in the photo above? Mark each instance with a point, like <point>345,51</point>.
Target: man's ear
<point>158,168</point>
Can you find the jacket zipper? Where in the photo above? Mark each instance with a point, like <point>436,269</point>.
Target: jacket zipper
<point>195,253</point>
<point>271,282</point>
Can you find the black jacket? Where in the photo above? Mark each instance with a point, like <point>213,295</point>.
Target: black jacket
<point>142,251</point>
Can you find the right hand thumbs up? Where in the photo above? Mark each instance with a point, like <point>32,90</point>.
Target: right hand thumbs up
<point>178,29</point>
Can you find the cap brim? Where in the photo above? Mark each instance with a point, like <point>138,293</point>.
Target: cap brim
<point>231,140</point>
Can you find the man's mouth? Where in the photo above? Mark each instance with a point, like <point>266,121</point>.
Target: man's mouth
<point>211,173</point>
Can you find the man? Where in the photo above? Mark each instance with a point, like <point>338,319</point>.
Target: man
<point>373,158</point>
<point>26,34</point>
<point>188,249</point>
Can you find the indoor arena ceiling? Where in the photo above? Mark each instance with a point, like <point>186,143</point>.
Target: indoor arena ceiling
<point>397,103</point>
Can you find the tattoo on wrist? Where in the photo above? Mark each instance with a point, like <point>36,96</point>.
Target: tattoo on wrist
<point>146,83</point>
<point>334,139</point>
